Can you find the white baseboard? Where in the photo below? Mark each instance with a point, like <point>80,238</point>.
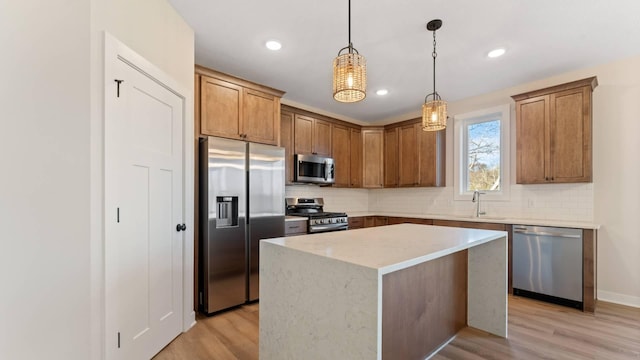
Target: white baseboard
<point>190,321</point>
<point>621,299</point>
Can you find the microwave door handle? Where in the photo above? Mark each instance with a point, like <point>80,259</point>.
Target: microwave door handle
<point>326,170</point>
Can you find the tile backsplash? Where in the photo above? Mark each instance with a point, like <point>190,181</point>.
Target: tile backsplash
<point>548,202</point>
<point>335,199</point>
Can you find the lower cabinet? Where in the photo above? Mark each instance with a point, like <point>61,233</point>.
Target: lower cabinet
<point>391,220</point>
<point>471,225</point>
<point>370,221</point>
<point>356,222</point>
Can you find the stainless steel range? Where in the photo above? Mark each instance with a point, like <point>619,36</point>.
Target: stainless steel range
<point>319,221</point>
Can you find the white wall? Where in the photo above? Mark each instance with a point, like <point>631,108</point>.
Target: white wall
<point>44,180</point>
<point>617,193</point>
<point>51,263</point>
<point>153,29</point>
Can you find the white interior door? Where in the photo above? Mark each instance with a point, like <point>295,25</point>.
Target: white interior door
<point>143,206</point>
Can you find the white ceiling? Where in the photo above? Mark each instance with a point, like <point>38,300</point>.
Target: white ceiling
<point>542,38</point>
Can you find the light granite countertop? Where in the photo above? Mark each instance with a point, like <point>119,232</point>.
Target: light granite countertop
<point>486,219</point>
<point>389,248</point>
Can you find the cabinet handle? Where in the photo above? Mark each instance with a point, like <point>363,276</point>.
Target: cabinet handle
<point>552,179</point>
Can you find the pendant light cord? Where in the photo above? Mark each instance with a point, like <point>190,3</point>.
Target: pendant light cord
<point>349,12</point>
<point>434,55</point>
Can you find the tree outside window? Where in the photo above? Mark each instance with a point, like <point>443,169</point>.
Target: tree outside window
<point>483,156</point>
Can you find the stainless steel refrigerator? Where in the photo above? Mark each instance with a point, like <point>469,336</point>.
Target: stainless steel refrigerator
<point>241,202</point>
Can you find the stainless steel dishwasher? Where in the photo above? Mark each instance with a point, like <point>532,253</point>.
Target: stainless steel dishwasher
<point>547,264</point>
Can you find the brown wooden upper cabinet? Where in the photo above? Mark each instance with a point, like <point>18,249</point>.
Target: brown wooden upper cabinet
<point>372,158</point>
<point>346,147</point>
<point>312,136</point>
<point>341,150</point>
<point>355,140</point>
<point>408,155</point>
<point>414,157</point>
<point>286,141</point>
<point>391,157</point>
<point>238,109</point>
<point>554,134</point>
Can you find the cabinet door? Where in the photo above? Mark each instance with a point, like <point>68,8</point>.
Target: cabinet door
<point>372,158</point>
<point>220,108</point>
<point>321,138</point>
<point>571,136</point>
<point>356,157</point>
<point>369,221</point>
<point>356,222</point>
<point>471,225</point>
<point>286,141</point>
<point>391,157</point>
<point>532,140</point>
<point>408,156</point>
<point>432,155</point>
<point>391,220</point>
<point>341,155</point>
<point>380,220</point>
<point>260,117</point>
<point>303,138</point>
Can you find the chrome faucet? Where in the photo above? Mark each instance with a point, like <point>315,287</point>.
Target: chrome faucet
<point>476,199</point>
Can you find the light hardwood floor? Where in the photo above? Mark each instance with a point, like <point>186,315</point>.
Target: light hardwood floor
<point>536,331</point>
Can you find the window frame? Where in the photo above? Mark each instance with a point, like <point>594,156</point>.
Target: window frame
<point>461,122</point>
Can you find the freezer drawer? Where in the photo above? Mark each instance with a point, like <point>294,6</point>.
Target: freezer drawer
<point>548,261</point>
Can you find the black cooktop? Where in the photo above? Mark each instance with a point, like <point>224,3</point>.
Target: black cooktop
<point>316,215</point>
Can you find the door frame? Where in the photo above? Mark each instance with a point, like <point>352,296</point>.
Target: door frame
<point>114,51</point>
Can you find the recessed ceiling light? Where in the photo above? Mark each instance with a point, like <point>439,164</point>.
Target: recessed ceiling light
<point>496,53</point>
<point>382,92</point>
<point>273,45</point>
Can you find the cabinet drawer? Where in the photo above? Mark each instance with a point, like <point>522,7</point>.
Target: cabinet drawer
<point>356,222</point>
<point>295,227</point>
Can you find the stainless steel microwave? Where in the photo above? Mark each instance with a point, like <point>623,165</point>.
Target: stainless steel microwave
<point>314,169</point>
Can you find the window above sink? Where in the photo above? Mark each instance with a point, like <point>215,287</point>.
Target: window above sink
<point>481,154</point>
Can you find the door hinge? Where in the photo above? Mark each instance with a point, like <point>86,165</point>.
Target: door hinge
<point>118,87</point>
<point>118,339</point>
<point>118,215</point>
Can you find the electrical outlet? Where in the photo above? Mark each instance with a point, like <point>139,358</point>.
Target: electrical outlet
<point>530,203</point>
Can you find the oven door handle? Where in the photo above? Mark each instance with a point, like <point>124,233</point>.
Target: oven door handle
<point>317,228</point>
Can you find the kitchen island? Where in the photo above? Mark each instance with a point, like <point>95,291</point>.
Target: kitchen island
<point>393,292</point>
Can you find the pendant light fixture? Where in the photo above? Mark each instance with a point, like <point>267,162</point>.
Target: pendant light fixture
<point>349,73</point>
<point>434,110</point>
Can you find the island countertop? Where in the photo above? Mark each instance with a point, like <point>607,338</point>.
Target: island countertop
<point>389,248</point>
<point>382,293</point>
